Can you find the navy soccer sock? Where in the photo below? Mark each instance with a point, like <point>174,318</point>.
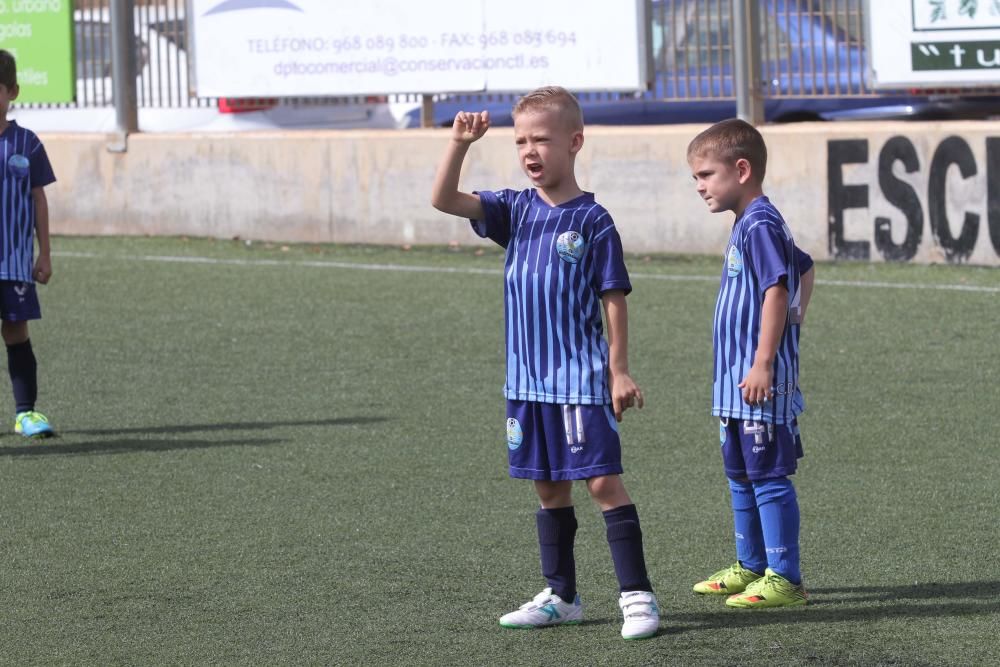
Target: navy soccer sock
<point>556,533</point>
<point>23,372</point>
<point>779,518</point>
<point>625,540</point>
<point>746,522</point>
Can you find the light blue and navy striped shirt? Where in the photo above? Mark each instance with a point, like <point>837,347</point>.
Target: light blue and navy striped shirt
<point>761,253</point>
<point>559,261</point>
<point>25,166</point>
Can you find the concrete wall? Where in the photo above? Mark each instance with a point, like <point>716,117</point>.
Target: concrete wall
<point>921,192</point>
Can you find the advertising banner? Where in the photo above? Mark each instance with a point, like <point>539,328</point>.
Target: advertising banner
<point>934,43</point>
<point>277,48</point>
<point>39,33</point>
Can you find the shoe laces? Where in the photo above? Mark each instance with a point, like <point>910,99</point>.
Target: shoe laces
<point>757,585</point>
<point>722,574</point>
<point>33,416</point>
<point>773,581</point>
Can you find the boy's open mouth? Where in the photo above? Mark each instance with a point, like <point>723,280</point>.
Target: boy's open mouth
<point>534,168</point>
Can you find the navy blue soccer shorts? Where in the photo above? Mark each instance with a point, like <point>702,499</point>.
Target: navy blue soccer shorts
<point>18,301</point>
<point>551,442</point>
<point>758,450</point>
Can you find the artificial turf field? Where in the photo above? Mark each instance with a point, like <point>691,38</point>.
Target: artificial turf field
<point>296,456</point>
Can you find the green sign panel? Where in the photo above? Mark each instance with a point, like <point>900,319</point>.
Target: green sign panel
<point>40,35</point>
<point>929,56</point>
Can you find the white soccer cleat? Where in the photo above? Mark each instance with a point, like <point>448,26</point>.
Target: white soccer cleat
<point>544,610</point>
<point>642,614</point>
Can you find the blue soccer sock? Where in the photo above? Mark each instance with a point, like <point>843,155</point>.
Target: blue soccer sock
<point>23,372</point>
<point>556,533</point>
<point>625,540</point>
<point>746,523</point>
<point>779,517</point>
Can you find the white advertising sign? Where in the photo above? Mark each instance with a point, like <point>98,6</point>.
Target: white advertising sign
<point>933,43</point>
<point>278,48</point>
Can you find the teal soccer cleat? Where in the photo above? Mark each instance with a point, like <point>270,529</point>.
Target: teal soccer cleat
<point>544,610</point>
<point>33,425</point>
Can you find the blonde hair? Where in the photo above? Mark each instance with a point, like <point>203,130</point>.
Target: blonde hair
<point>552,98</point>
<point>732,140</point>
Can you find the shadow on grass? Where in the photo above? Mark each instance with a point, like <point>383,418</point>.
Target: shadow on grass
<point>858,603</point>
<point>922,591</point>
<point>227,426</point>
<point>53,447</point>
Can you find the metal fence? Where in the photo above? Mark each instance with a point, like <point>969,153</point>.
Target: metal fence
<point>161,55</point>
<point>809,48</point>
<point>161,47</point>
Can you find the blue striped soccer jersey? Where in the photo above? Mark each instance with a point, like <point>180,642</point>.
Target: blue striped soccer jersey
<point>559,260</point>
<point>25,167</point>
<point>760,254</point>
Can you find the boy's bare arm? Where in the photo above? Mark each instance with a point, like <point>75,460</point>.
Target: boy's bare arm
<point>446,197</point>
<point>43,263</point>
<point>625,393</point>
<point>757,385</point>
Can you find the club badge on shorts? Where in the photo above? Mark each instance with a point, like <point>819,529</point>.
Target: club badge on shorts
<point>515,436</point>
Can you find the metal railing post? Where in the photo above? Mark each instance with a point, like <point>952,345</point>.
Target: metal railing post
<point>427,110</point>
<point>746,54</point>
<point>123,71</point>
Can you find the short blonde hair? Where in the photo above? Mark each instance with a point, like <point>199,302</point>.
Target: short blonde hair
<point>732,140</point>
<point>552,98</point>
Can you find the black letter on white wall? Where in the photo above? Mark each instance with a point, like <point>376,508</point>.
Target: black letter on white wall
<point>901,195</point>
<point>841,197</point>
<point>952,150</point>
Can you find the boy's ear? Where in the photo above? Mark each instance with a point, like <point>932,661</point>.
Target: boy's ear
<point>14,91</point>
<point>744,169</point>
<point>576,142</point>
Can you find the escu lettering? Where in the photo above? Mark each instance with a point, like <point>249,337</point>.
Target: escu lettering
<point>956,236</point>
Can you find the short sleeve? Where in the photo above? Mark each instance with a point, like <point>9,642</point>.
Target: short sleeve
<point>803,260</point>
<point>765,246</point>
<point>41,169</point>
<point>609,259</point>
<point>497,223</point>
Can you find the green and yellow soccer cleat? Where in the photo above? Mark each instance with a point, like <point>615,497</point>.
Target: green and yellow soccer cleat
<point>733,579</point>
<point>771,590</point>
<point>33,425</point>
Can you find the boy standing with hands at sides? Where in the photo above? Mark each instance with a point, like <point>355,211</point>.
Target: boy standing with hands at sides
<point>766,285</point>
<point>24,213</point>
<point>566,386</point>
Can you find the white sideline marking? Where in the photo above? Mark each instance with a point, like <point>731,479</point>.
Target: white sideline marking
<point>360,266</point>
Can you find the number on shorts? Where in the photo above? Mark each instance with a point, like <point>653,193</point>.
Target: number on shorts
<point>573,424</point>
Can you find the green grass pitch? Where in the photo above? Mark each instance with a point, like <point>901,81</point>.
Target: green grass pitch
<point>296,456</point>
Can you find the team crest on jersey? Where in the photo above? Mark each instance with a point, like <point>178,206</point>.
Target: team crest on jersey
<point>515,436</point>
<point>18,165</point>
<point>734,261</point>
<point>570,246</point>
